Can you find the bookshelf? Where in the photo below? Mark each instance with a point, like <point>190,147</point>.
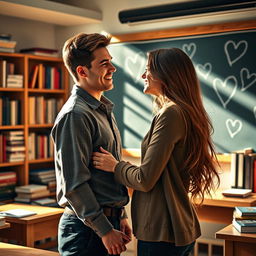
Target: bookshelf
<point>51,98</point>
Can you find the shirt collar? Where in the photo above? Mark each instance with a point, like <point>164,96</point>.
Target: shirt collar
<point>91,101</point>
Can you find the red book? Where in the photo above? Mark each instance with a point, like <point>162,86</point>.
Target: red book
<point>8,180</point>
<point>56,78</point>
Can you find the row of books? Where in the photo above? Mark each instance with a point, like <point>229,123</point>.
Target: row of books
<point>10,111</point>
<point>12,148</point>
<point>8,181</point>
<point>244,219</point>
<point>40,146</point>
<point>45,77</point>
<point>243,169</point>
<point>8,77</point>
<point>43,110</point>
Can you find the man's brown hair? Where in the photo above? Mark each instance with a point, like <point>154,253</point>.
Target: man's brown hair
<point>78,50</point>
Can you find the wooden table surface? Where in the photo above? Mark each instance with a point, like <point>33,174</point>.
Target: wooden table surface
<point>29,229</point>
<point>236,243</point>
<point>17,250</point>
<point>219,208</point>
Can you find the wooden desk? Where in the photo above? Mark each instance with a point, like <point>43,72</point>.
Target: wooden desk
<point>17,250</point>
<point>6,225</point>
<point>30,229</point>
<point>236,243</point>
<point>220,208</point>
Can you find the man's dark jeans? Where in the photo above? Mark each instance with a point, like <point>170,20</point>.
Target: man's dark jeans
<point>76,239</point>
<point>163,248</point>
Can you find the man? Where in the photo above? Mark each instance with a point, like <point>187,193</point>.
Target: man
<point>93,201</point>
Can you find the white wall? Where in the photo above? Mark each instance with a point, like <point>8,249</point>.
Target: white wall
<point>28,33</point>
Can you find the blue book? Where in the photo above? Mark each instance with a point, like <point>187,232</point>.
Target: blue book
<point>246,211</point>
<point>245,226</point>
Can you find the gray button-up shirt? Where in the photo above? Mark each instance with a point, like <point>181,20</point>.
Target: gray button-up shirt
<point>81,127</point>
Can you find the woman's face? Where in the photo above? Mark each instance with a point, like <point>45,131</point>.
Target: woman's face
<point>152,85</point>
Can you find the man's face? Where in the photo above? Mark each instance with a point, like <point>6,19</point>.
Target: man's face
<point>100,74</point>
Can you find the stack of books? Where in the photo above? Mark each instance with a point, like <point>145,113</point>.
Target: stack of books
<point>14,81</point>
<point>244,219</point>
<point>42,176</point>
<point>13,146</point>
<point>6,45</point>
<point>8,76</point>
<point>8,181</point>
<point>31,192</point>
<point>41,51</point>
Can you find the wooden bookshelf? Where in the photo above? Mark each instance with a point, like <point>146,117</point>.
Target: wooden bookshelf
<point>58,91</point>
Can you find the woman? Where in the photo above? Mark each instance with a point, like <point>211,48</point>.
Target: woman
<point>177,163</point>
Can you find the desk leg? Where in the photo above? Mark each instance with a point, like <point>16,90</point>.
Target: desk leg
<point>29,236</point>
<point>228,248</point>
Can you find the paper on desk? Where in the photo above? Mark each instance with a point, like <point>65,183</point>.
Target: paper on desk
<point>17,213</point>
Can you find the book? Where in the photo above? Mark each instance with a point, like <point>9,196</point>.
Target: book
<point>2,220</point>
<point>233,169</point>
<point>17,213</point>
<point>34,194</point>
<point>237,216</point>
<point>246,211</point>
<point>237,192</point>
<point>249,170</point>
<point>240,170</point>
<point>245,226</point>
<point>31,188</point>
<point>45,201</point>
<point>33,77</point>
<point>7,44</point>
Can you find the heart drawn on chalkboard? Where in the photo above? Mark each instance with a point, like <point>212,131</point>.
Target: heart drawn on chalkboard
<point>204,70</point>
<point>233,126</point>
<point>135,65</point>
<point>235,51</point>
<point>225,90</point>
<point>189,49</point>
<point>247,78</point>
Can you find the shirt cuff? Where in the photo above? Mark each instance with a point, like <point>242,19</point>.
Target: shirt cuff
<point>101,225</point>
<point>124,215</point>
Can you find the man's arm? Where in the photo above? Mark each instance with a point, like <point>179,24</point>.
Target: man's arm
<point>73,142</point>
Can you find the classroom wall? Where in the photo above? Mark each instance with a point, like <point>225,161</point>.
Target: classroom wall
<point>110,23</point>
<point>52,36</point>
<point>28,33</point>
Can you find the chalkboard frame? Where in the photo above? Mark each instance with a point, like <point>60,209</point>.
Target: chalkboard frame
<point>180,32</point>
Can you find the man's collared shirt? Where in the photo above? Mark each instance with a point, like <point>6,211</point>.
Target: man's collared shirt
<point>82,126</point>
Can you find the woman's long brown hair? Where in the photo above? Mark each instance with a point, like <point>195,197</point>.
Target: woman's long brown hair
<point>180,84</point>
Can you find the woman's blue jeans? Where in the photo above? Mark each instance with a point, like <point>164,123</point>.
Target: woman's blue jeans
<point>76,239</point>
<point>163,248</point>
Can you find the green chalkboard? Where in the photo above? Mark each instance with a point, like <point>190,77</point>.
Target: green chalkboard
<point>226,67</point>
